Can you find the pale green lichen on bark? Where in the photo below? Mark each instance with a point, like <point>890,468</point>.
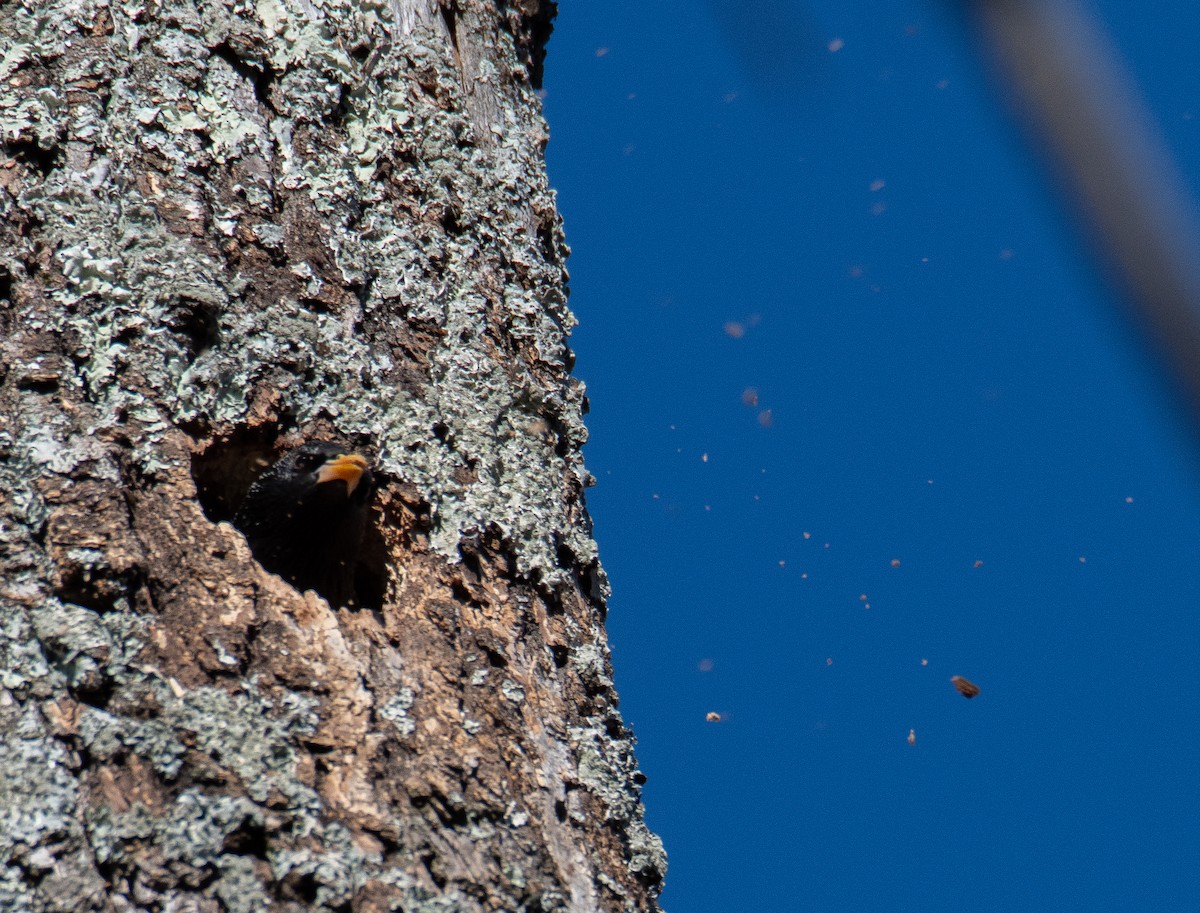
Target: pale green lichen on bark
<point>39,794</point>
<point>125,269</point>
<point>122,273</point>
<point>38,814</point>
<point>255,740</point>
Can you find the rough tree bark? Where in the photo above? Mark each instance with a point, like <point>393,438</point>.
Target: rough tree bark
<point>227,226</point>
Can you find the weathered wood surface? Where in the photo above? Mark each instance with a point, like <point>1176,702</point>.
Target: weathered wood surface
<point>226,227</point>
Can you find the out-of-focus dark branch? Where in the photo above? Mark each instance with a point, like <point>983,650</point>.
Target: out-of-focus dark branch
<point>1080,104</point>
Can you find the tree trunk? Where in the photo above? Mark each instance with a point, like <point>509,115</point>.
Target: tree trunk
<point>225,228</point>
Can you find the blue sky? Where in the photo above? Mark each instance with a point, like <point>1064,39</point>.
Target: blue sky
<point>834,316</point>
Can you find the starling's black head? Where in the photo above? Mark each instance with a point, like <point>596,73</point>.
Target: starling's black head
<point>304,518</point>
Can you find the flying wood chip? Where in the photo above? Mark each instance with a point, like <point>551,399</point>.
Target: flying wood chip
<point>966,688</point>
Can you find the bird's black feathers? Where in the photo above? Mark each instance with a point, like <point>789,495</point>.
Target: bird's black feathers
<point>304,518</point>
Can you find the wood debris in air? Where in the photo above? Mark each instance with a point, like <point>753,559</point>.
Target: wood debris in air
<point>966,688</point>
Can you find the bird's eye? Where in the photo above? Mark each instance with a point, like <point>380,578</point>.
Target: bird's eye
<point>309,462</point>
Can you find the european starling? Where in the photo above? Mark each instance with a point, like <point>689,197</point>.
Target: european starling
<point>304,518</point>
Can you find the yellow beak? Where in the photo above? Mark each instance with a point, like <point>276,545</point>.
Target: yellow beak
<point>348,467</point>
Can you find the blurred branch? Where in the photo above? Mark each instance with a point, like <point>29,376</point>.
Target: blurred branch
<point>1069,85</point>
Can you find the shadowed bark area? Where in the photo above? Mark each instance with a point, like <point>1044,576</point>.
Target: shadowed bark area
<point>227,228</point>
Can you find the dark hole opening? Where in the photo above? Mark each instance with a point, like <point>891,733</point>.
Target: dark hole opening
<point>225,470</point>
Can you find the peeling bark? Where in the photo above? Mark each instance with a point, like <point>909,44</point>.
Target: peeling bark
<point>227,227</point>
